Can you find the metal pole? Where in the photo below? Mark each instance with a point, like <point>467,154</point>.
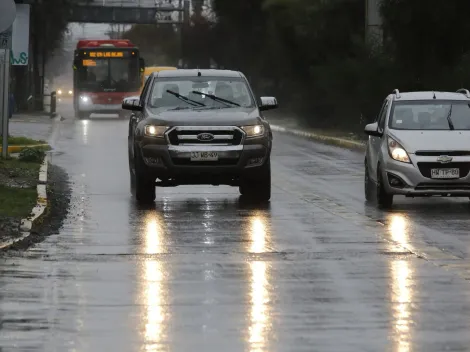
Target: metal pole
<point>6,101</point>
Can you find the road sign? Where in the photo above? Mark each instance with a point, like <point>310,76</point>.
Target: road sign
<point>5,39</point>
<point>7,14</point>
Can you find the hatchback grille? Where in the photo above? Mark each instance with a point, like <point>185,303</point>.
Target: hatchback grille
<point>439,153</point>
<point>224,135</point>
<point>425,168</point>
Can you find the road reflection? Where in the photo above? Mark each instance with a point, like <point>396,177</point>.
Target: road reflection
<point>154,287</point>
<point>84,125</point>
<point>259,316</point>
<point>402,283</point>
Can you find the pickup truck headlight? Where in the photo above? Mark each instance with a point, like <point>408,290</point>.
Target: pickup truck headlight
<point>253,130</point>
<point>397,152</point>
<point>155,131</point>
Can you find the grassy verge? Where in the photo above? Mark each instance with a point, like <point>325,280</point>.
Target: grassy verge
<point>18,180</point>
<point>22,141</point>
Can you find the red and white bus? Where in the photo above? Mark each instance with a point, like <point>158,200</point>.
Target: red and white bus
<point>104,73</point>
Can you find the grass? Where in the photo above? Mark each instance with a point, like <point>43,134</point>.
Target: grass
<point>18,180</point>
<point>17,202</point>
<point>22,141</point>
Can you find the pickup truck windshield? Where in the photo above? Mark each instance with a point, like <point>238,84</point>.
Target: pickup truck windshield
<point>198,92</point>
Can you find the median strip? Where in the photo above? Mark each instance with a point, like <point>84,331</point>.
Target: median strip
<point>331,140</point>
<point>23,194</point>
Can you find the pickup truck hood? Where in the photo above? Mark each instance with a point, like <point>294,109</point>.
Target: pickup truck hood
<point>215,117</point>
<point>449,140</point>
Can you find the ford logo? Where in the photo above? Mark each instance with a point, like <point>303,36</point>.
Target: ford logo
<point>205,137</point>
<point>444,159</point>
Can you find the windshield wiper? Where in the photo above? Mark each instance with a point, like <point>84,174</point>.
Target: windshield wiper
<point>213,97</point>
<point>186,100</point>
<point>451,125</point>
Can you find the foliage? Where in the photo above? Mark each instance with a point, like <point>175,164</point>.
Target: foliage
<point>32,155</point>
<point>313,56</point>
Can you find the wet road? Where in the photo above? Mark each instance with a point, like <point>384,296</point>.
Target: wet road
<point>200,271</point>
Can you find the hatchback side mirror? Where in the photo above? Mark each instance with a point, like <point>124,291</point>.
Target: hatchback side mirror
<point>268,103</point>
<point>372,129</point>
<point>132,103</point>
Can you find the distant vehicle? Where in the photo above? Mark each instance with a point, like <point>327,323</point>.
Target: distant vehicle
<point>419,145</point>
<point>149,70</point>
<point>65,93</point>
<point>105,72</point>
<point>181,136</point>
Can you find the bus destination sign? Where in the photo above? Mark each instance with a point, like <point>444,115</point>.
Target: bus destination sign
<point>103,54</point>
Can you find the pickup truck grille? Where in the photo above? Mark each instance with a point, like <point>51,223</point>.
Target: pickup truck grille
<point>214,135</point>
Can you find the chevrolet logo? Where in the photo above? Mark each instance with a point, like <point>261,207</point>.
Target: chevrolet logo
<point>444,159</point>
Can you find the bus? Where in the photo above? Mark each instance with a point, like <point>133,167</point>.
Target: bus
<point>104,73</point>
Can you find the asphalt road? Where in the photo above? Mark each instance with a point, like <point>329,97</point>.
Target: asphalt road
<point>317,270</point>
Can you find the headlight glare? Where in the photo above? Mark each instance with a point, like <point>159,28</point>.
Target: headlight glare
<point>85,99</point>
<point>155,131</point>
<point>59,92</point>
<point>397,152</point>
<point>253,130</point>
<point>70,92</point>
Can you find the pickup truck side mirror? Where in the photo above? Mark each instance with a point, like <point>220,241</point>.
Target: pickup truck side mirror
<point>132,103</point>
<point>268,103</point>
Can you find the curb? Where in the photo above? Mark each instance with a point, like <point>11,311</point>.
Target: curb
<point>340,142</point>
<point>37,211</point>
<point>19,148</point>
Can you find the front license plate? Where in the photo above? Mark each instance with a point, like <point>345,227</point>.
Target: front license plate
<point>204,156</point>
<point>445,173</point>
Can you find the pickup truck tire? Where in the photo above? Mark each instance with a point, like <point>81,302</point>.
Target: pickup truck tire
<point>142,182</point>
<point>258,187</point>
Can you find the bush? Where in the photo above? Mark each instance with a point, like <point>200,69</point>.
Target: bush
<point>32,155</point>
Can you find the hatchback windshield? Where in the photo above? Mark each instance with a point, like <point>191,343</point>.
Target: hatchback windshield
<point>200,92</point>
<point>430,115</point>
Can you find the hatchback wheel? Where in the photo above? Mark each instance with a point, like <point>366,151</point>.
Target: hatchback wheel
<point>384,199</point>
<point>368,184</point>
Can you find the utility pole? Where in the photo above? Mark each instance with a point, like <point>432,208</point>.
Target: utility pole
<point>373,21</point>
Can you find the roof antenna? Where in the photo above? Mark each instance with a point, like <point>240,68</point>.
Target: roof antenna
<point>434,95</point>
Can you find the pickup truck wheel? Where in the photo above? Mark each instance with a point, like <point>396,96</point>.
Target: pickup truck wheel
<point>384,199</point>
<point>258,187</point>
<point>142,182</point>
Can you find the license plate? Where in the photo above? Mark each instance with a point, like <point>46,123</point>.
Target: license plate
<point>445,173</point>
<point>204,156</point>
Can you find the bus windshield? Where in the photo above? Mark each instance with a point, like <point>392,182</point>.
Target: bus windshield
<point>109,75</point>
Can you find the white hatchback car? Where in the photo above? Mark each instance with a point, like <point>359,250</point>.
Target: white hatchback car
<point>419,145</point>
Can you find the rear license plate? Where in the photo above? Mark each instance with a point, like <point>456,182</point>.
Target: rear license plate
<point>445,173</point>
<point>204,156</point>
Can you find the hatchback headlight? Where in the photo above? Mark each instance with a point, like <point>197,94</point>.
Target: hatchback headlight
<point>254,130</point>
<point>155,131</point>
<point>396,151</point>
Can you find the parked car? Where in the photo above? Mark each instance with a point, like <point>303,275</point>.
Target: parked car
<point>179,134</point>
<point>419,145</point>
